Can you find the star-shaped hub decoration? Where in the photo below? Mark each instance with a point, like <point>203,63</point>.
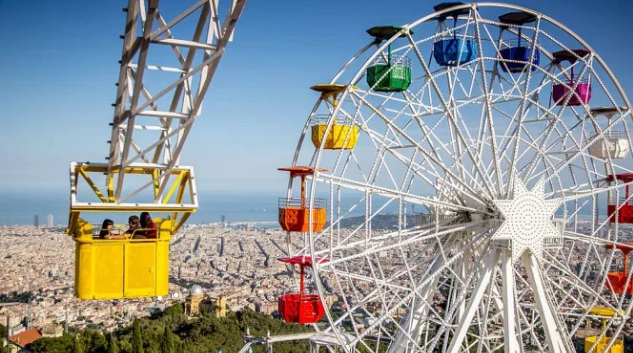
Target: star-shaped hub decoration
<point>527,219</point>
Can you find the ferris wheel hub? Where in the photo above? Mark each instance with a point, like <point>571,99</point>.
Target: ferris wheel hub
<point>527,219</point>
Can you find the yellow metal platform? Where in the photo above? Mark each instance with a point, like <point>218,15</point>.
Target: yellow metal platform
<point>131,268</point>
<point>180,207</point>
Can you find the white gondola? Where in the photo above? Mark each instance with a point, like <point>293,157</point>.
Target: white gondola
<point>610,145</point>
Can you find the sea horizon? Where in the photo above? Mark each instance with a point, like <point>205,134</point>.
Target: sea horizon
<point>20,207</point>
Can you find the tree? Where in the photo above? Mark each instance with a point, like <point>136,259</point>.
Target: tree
<point>137,339</point>
<point>62,344</point>
<point>167,341</point>
<point>113,346</point>
<point>94,341</point>
<point>3,335</point>
<point>78,347</point>
<point>201,335</point>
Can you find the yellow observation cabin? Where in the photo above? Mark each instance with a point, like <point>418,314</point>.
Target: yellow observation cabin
<point>601,343</point>
<point>126,267</point>
<point>154,114</point>
<point>343,134</point>
<point>294,214</point>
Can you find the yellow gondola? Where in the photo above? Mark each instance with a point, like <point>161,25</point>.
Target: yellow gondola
<point>618,345</point>
<point>343,134</point>
<point>125,268</point>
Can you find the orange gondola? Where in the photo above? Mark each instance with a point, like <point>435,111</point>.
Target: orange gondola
<point>617,280</point>
<point>294,214</point>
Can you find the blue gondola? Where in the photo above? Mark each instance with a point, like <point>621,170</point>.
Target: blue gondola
<point>453,51</point>
<point>518,50</point>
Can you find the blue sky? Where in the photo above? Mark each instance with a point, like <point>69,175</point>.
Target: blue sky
<point>58,66</point>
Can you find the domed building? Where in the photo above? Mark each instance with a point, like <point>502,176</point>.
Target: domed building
<point>193,300</point>
<point>197,301</point>
<point>196,290</point>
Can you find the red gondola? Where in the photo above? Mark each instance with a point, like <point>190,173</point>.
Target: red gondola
<point>301,308</point>
<point>625,211</point>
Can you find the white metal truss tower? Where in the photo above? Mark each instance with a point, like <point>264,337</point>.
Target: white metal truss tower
<point>170,55</point>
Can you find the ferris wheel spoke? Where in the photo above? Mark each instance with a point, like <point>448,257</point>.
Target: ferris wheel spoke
<point>580,194</point>
<point>429,277</point>
<point>582,149</point>
<point>348,244</point>
<point>545,133</point>
<point>379,164</point>
<point>428,133</point>
<point>457,156</point>
<point>378,143</point>
<point>578,283</point>
<point>394,99</point>
<point>408,197</point>
<point>544,137</point>
<point>364,248</point>
<point>422,150</point>
<point>355,231</point>
<point>594,300</point>
<point>486,107</point>
<point>380,283</point>
<point>422,172</point>
<point>375,138</point>
<point>451,117</point>
<point>415,321</point>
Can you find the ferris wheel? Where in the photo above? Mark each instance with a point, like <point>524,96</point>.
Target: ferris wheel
<point>465,188</point>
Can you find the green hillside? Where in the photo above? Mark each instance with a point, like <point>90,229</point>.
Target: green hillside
<point>171,331</point>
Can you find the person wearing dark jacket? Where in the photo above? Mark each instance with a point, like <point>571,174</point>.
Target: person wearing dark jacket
<point>135,228</point>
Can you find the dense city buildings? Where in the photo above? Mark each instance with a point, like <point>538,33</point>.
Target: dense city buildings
<point>212,268</point>
<point>236,267</point>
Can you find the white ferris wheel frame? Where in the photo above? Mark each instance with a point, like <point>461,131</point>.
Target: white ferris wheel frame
<point>555,341</point>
